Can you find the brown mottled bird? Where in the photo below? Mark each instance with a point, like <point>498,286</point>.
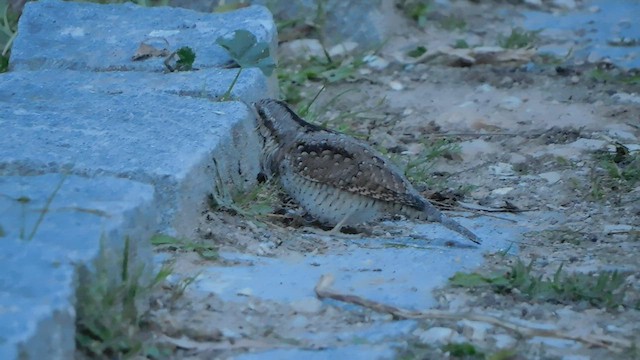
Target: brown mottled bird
<point>337,179</point>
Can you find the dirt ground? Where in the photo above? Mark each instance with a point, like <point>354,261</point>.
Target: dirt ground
<point>534,136</point>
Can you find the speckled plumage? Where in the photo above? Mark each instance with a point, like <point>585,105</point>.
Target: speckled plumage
<point>336,178</point>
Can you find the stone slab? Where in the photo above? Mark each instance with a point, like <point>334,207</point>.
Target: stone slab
<point>352,352</point>
<point>85,36</point>
<point>41,255</point>
<point>75,103</point>
<point>126,125</point>
<point>401,271</point>
<point>366,23</point>
<point>606,29</point>
<point>398,271</point>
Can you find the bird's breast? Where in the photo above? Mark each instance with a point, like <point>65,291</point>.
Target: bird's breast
<point>329,204</point>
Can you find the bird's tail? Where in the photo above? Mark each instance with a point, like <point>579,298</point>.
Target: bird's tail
<point>455,226</point>
<point>430,213</point>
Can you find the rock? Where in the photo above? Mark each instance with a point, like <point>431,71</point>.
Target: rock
<point>342,49</point>
<point>594,57</point>
<point>504,341</point>
<point>474,149</point>
<point>367,23</point>
<point>299,321</point>
<point>552,177</point>
<point>376,62</point>
<point>575,79</point>
<point>501,191</point>
<point>534,3</point>
<point>631,147</point>
<point>396,85</point>
<point>617,229</point>
<point>626,97</point>
<point>564,4</point>
<point>623,134</point>
<point>497,54</point>
<point>516,158</point>
<point>474,330</point>
<point>308,305</point>
<point>301,49</point>
<point>613,328</point>
<point>502,169</point>
<point>576,357</point>
<point>588,144</point>
<point>439,336</point>
<point>555,343</point>
<point>510,103</point>
<point>484,88</point>
<point>245,292</point>
<point>506,81</point>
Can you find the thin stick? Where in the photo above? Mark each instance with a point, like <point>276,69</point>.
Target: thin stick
<point>480,212</point>
<point>46,208</point>
<point>323,290</point>
<point>475,134</point>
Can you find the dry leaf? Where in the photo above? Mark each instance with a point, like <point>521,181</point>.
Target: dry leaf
<point>146,51</point>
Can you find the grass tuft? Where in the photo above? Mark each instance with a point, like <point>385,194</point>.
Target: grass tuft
<point>418,170</point>
<point>518,39</point>
<point>604,289</point>
<point>614,173</point>
<point>452,23</point>
<point>109,307</point>
<point>294,78</point>
<point>463,350</point>
<point>416,10</point>
<point>206,251</point>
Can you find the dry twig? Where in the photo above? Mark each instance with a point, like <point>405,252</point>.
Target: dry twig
<point>323,290</point>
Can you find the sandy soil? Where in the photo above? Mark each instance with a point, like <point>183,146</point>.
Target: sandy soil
<point>526,137</point>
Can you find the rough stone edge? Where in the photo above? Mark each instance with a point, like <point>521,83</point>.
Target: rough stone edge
<point>232,167</point>
<point>31,62</point>
<point>42,336</point>
<point>54,334</point>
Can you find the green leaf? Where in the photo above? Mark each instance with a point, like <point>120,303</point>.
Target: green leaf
<point>160,239</point>
<point>208,254</point>
<point>23,200</point>
<point>468,280</point>
<point>247,52</point>
<point>186,57</point>
<point>462,350</point>
<point>4,63</point>
<point>339,74</point>
<point>417,52</point>
<point>461,44</point>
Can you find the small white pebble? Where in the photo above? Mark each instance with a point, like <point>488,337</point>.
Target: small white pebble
<point>396,85</point>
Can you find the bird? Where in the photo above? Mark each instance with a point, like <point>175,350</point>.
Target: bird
<point>335,178</point>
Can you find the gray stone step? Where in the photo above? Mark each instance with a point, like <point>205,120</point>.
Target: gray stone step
<point>40,260</point>
<point>141,149</point>
<point>95,124</point>
<point>86,36</point>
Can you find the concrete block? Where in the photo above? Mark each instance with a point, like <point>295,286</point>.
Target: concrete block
<point>367,23</point>
<point>42,253</point>
<point>84,36</point>
<point>125,125</point>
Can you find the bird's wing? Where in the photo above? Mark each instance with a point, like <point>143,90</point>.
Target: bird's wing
<point>348,164</point>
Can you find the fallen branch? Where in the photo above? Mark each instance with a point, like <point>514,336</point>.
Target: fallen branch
<point>508,208</point>
<point>186,343</point>
<point>323,290</point>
